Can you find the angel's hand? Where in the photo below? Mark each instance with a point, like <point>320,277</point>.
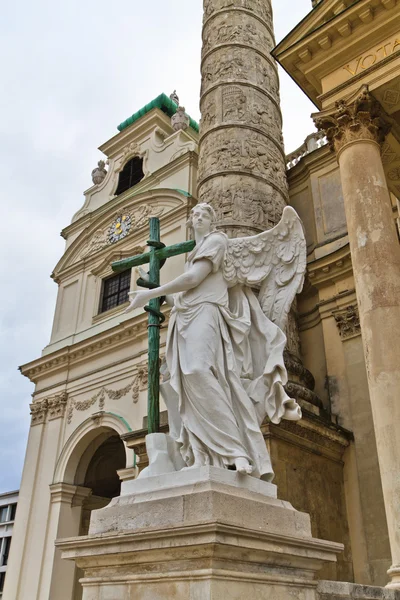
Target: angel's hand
<point>138,299</point>
<point>145,276</point>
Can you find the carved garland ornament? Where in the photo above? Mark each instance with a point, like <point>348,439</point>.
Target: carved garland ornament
<point>139,382</point>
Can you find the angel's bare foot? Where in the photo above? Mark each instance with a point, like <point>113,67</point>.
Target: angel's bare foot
<point>243,466</point>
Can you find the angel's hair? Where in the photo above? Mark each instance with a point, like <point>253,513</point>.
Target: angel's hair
<point>209,209</point>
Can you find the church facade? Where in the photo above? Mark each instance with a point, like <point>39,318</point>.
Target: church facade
<point>89,406</point>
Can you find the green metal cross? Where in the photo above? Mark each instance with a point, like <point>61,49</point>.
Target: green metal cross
<point>156,258</point>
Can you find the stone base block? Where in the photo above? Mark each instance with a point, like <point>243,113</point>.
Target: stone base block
<point>206,534</point>
<point>333,590</point>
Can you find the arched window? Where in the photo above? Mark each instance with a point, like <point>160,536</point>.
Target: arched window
<point>130,175</point>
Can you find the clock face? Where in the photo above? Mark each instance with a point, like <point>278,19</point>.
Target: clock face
<point>119,229</point>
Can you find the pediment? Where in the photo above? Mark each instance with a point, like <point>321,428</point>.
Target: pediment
<point>340,44</point>
<point>95,243</point>
<point>323,13</point>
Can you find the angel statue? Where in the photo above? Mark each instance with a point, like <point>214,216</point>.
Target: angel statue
<point>224,368</point>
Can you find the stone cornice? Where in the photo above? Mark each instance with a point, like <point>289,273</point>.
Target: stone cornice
<point>142,128</point>
<point>93,347</point>
<point>73,495</point>
<point>148,186</point>
<point>74,259</point>
<point>330,36</point>
<point>330,267</point>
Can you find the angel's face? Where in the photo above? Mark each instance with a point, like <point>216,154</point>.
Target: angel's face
<point>201,220</point>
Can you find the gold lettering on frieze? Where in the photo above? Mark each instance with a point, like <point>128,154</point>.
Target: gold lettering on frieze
<point>365,61</point>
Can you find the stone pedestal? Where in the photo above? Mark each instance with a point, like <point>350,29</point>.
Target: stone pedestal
<point>196,535</point>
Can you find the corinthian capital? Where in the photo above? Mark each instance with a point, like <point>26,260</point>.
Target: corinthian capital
<point>39,411</point>
<point>358,118</point>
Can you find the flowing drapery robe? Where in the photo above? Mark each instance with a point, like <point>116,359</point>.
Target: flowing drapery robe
<point>224,370</point>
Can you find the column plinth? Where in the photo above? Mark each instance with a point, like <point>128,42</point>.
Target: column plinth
<point>355,131</point>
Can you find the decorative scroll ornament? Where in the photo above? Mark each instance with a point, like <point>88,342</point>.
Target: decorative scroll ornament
<point>359,118</point>
<point>139,382</point>
<point>130,150</point>
<point>348,321</point>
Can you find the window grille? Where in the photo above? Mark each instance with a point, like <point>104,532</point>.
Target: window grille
<point>115,290</point>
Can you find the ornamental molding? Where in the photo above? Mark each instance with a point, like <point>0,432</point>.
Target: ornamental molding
<point>90,349</point>
<point>138,384</point>
<point>138,218</point>
<point>52,407</point>
<point>92,239</point>
<point>336,264</point>
<point>348,321</point>
<point>57,405</point>
<point>38,412</point>
<point>130,151</point>
<point>104,267</point>
<point>359,117</point>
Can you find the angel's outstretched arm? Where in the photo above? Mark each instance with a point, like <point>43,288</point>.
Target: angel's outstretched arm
<point>189,280</point>
<point>169,298</point>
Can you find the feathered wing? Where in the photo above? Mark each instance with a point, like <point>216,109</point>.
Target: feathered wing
<point>276,259</point>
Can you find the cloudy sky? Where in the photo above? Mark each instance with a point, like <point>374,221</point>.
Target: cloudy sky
<point>71,72</point>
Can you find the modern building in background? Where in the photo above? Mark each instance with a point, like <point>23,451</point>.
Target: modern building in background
<point>8,509</point>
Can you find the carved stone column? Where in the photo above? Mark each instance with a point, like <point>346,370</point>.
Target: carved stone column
<point>355,130</point>
<point>242,161</point>
<point>242,167</point>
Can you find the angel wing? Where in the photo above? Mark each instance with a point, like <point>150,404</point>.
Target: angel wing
<point>276,259</point>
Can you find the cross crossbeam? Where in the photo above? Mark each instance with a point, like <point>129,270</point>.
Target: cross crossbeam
<point>156,258</point>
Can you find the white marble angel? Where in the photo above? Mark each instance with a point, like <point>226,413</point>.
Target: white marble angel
<point>224,369</point>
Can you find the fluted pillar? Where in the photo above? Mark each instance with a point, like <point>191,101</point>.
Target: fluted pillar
<point>355,131</point>
<point>242,160</point>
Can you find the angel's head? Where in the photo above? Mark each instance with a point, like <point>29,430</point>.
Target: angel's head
<point>202,218</point>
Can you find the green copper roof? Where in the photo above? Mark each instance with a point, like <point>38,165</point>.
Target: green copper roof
<point>162,102</point>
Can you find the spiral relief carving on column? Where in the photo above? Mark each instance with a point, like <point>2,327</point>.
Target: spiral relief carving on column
<point>242,160</point>
<point>242,167</point>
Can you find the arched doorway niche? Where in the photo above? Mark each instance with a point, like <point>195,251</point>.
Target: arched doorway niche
<point>83,443</point>
<point>85,479</point>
